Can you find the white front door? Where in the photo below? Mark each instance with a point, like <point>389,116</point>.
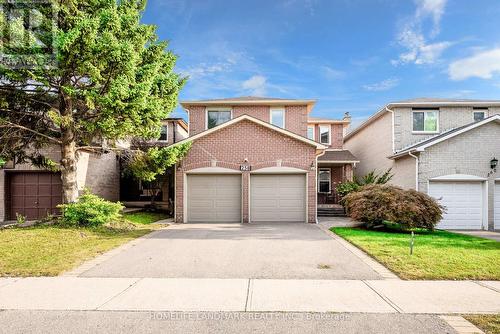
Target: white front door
<point>278,197</point>
<point>463,201</point>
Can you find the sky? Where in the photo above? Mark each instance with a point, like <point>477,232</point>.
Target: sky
<point>351,55</point>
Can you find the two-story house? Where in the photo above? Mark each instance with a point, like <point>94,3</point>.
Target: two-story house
<point>257,159</point>
<point>446,148</point>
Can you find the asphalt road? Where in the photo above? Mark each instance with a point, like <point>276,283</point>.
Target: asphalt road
<point>55,322</point>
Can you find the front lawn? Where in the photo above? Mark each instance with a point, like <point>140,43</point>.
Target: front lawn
<point>143,217</point>
<point>50,250</point>
<point>489,323</point>
<point>436,255</point>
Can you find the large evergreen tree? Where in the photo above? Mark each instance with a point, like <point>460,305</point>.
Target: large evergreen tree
<point>112,79</point>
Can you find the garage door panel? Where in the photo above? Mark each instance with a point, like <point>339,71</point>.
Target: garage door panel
<point>277,197</point>
<point>463,202</point>
<point>214,198</point>
<point>496,206</point>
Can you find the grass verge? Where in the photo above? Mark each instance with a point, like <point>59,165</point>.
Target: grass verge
<point>489,323</point>
<point>143,217</point>
<point>436,255</point>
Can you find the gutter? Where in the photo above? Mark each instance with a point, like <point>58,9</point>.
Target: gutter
<point>316,184</point>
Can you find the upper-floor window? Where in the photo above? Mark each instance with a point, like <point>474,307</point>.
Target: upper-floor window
<point>479,114</point>
<point>324,134</point>
<point>164,133</point>
<point>310,132</point>
<point>425,121</point>
<point>278,117</point>
<point>217,117</point>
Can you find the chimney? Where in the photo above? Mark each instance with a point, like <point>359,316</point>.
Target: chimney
<point>347,117</point>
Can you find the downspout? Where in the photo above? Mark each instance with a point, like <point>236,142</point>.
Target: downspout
<point>316,183</point>
<point>416,169</point>
<point>174,126</point>
<point>392,128</point>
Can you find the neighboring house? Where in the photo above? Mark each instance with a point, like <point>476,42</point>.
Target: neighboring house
<point>139,194</point>
<point>257,159</point>
<point>446,148</point>
<point>34,193</point>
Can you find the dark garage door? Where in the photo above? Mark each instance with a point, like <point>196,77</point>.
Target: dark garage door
<point>34,194</point>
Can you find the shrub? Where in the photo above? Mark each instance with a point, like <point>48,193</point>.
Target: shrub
<point>345,188</point>
<point>90,210</point>
<point>374,204</point>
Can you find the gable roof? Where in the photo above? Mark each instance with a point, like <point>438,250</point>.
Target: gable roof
<point>423,102</point>
<point>327,120</point>
<point>257,121</point>
<point>421,146</point>
<point>178,120</point>
<point>249,100</point>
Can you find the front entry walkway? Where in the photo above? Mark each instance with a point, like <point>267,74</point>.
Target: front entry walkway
<point>264,250</point>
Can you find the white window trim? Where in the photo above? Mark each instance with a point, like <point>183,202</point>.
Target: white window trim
<point>329,170</point>
<point>314,130</point>
<point>216,109</point>
<point>329,134</point>
<point>424,111</point>
<point>484,111</point>
<point>271,116</point>
<point>166,126</point>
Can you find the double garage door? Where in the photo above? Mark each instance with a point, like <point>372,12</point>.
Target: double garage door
<point>464,203</point>
<point>273,197</point>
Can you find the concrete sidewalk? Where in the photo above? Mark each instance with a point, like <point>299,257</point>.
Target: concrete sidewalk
<point>249,295</point>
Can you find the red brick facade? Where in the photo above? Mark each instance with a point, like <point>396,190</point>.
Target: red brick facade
<point>295,117</point>
<point>263,147</point>
<point>337,135</point>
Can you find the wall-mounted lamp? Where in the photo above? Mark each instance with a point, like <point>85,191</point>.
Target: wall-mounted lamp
<point>494,163</point>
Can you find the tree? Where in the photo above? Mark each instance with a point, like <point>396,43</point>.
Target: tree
<point>113,79</point>
<point>149,164</point>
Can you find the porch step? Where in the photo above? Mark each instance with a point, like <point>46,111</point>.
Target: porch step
<point>331,212</point>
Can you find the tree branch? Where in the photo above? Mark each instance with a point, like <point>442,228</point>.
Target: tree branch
<point>11,125</point>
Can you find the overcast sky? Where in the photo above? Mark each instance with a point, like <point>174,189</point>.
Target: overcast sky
<point>350,55</point>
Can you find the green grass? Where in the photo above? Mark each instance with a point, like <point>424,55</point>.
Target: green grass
<point>143,217</point>
<point>489,323</point>
<point>436,255</point>
<point>51,250</point>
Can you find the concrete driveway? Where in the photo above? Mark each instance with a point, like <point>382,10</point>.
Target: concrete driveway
<point>270,250</point>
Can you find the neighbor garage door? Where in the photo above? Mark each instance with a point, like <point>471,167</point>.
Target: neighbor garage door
<point>214,198</point>
<point>496,201</point>
<point>33,194</point>
<point>463,201</point>
<point>278,198</point>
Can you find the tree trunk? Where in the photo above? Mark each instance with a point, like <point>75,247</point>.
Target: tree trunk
<point>68,171</point>
<point>68,152</point>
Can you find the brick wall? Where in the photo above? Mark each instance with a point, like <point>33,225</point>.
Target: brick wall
<point>262,147</point>
<point>337,135</point>
<point>295,117</point>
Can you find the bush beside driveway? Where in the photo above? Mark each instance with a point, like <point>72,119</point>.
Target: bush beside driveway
<point>437,255</point>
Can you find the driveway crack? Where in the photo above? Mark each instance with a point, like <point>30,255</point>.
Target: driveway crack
<point>118,294</point>
<point>248,301</point>
<point>386,299</point>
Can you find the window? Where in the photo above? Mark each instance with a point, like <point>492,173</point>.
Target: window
<point>164,133</point>
<point>324,180</point>
<point>278,117</point>
<point>217,117</point>
<point>425,121</point>
<point>324,134</point>
<point>310,132</point>
<point>479,114</point>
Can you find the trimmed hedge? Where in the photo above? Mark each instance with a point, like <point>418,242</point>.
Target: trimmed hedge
<point>375,204</point>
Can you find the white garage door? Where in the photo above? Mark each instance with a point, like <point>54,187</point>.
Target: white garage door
<point>463,201</point>
<point>496,199</point>
<point>214,198</point>
<point>278,198</point>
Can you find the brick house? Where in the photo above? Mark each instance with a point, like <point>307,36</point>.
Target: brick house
<point>444,147</point>
<point>259,159</point>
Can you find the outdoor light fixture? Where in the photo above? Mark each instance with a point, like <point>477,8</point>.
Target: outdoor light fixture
<point>493,163</point>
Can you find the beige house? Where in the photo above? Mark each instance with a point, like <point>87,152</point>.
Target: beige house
<point>446,148</point>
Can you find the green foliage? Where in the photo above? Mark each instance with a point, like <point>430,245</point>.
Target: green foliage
<point>374,204</point>
<point>148,165</point>
<point>90,210</point>
<point>114,75</point>
<point>2,162</point>
<point>345,188</point>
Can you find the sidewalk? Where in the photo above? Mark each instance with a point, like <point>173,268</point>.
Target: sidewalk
<point>249,295</point>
